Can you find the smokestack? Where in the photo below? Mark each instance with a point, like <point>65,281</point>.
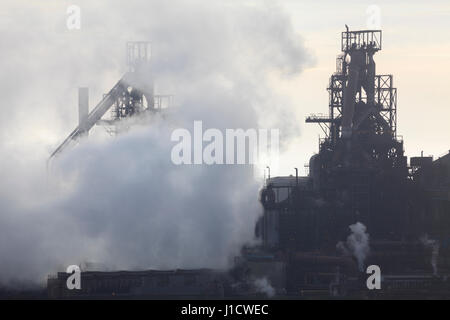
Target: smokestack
<point>83,109</point>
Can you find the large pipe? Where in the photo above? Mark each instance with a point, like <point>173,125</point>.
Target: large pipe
<point>83,109</point>
<point>104,105</point>
<point>357,61</point>
<point>296,177</point>
<point>370,81</point>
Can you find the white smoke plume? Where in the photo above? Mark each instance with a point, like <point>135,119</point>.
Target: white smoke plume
<point>434,246</point>
<point>120,201</point>
<point>357,244</point>
<point>263,285</point>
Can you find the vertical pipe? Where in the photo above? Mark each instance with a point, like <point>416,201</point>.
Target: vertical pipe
<point>357,61</point>
<point>370,81</point>
<point>349,101</point>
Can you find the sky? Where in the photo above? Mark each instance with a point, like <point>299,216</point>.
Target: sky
<point>416,50</point>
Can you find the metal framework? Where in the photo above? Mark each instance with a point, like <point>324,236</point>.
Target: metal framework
<point>375,97</point>
<point>132,95</point>
<point>360,158</point>
<point>361,39</point>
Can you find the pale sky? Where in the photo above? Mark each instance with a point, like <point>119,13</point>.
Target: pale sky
<point>416,50</point>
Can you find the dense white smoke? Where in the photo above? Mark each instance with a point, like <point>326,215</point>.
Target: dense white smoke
<point>263,285</point>
<point>357,244</point>
<point>120,201</point>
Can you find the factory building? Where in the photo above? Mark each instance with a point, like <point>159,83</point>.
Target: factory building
<point>361,204</point>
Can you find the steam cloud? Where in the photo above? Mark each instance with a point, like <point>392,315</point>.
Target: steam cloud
<point>357,244</point>
<point>434,246</point>
<point>120,201</point>
<point>263,285</point>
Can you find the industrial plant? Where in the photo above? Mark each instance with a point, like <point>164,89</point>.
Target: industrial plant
<point>363,202</point>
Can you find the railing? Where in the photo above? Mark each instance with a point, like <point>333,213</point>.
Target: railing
<point>138,52</point>
<point>363,39</point>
